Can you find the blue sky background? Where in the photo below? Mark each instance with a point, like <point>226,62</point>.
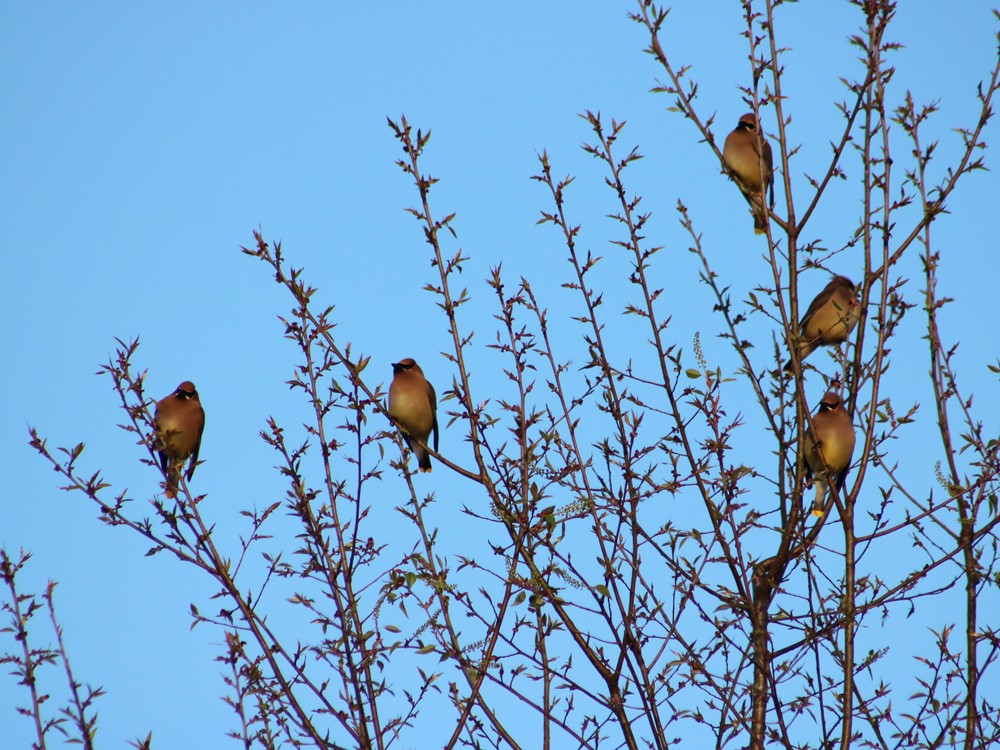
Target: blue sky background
<point>140,146</point>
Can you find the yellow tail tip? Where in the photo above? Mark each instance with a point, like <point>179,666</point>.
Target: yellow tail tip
<point>818,513</point>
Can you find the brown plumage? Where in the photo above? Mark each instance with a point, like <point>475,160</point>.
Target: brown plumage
<point>180,422</point>
<point>830,318</point>
<point>828,451</point>
<point>743,158</point>
<point>413,404</point>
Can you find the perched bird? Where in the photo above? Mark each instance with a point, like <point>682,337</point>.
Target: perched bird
<point>180,422</point>
<point>830,318</point>
<point>828,450</point>
<point>743,158</point>
<point>413,404</point>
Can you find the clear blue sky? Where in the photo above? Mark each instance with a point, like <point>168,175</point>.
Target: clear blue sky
<point>140,145</point>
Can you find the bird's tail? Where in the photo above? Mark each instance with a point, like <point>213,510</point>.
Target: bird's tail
<point>818,503</point>
<point>757,209</point>
<point>423,457</point>
<point>805,349</point>
<point>173,481</point>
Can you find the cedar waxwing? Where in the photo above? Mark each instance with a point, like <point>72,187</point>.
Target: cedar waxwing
<point>413,404</point>
<point>180,422</point>
<point>831,448</point>
<point>830,318</point>
<point>743,159</point>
